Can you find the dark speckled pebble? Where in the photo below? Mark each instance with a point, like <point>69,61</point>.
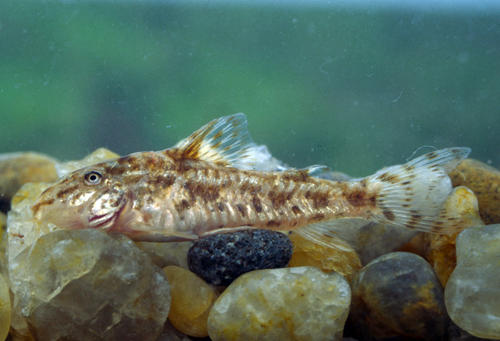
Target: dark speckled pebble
<point>398,297</point>
<point>221,258</point>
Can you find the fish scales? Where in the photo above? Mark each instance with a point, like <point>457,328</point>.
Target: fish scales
<point>217,180</point>
<point>200,196</point>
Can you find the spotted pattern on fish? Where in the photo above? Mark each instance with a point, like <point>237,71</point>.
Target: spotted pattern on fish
<point>210,182</point>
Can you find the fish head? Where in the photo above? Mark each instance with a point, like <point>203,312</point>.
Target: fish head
<point>86,198</point>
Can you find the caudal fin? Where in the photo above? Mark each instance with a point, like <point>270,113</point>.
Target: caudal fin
<point>413,194</point>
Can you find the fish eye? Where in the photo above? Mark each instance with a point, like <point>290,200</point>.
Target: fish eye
<point>93,178</point>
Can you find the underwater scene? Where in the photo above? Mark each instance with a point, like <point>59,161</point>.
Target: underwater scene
<point>250,170</point>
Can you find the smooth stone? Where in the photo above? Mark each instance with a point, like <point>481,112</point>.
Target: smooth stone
<point>440,252</point>
<point>169,333</point>
<point>164,254</point>
<point>88,285</point>
<point>22,229</point>
<point>472,293</point>
<point>16,169</point>
<point>398,295</point>
<point>439,249</point>
<point>5,309</point>
<point>192,299</point>
<point>98,155</point>
<point>484,181</point>
<point>343,259</point>
<point>302,303</point>
<point>375,240</point>
<point>219,259</point>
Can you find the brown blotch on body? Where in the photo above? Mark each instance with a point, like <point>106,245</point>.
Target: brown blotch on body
<point>296,176</point>
<point>320,200</point>
<point>360,197</point>
<point>257,204</point>
<point>198,190</point>
<point>165,180</point>
<point>241,209</point>
<point>296,209</point>
<point>318,216</point>
<point>273,223</point>
<point>279,199</point>
<point>182,206</point>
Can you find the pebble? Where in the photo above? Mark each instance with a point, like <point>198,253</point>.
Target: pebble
<point>343,260</point>
<point>398,295</point>
<point>219,259</point>
<point>164,254</point>
<point>302,303</point>
<point>192,299</point>
<point>439,249</point>
<point>16,169</point>
<point>22,230</point>
<point>5,309</point>
<point>88,285</point>
<point>169,333</point>
<point>440,252</point>
<point>98,155</point>
<point>484,181</point>
<point>472,293</point>
<point>375,240</point>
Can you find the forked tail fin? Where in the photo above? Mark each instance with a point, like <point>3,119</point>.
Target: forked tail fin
<point>412,195</point>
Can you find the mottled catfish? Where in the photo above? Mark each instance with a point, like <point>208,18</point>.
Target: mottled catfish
<point>216,180</point>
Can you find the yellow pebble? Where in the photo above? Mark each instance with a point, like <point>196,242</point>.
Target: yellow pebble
<point>343,260</point>
<point>4,309</point>
<point>192,299</point>
<point>440,250</point>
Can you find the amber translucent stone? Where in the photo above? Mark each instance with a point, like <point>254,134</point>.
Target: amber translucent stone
<point>192,299</point>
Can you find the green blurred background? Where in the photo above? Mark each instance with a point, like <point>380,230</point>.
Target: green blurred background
<point>356,89</point>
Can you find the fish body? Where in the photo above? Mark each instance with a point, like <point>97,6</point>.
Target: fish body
<point>218,180</point>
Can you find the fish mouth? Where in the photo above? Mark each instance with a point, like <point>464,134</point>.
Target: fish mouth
<point>106,220</point>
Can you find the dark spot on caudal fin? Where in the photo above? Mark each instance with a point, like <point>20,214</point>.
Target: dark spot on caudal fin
<point>388,177</point>
<point>388,214</point>
<point>413,194</point>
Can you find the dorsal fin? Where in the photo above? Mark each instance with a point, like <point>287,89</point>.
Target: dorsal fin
<point>226,141</point>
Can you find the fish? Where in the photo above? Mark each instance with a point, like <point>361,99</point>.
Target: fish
<point>218,180</point>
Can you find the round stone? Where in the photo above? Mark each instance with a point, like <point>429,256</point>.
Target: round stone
<point>398,295</point>
<point>5,310</point>
<point>88,285</point>
<point>473,290</point>
<point>343,260</point>
<point>302,303</point>
<point>192,299</point>
<point>219,259</point>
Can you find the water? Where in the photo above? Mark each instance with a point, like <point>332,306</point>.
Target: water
<point>355,88</point>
